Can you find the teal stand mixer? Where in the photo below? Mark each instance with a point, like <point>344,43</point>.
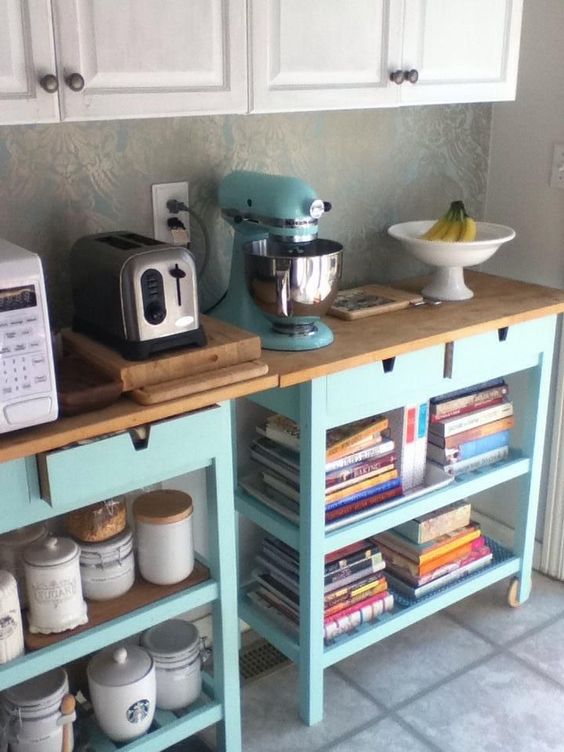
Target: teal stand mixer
<point>283,277</point>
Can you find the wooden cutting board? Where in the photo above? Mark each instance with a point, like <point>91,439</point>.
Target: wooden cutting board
<point>227,346</point>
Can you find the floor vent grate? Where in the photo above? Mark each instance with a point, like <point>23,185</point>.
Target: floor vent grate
<point>259,659</point>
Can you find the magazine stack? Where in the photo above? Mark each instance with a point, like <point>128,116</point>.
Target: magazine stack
<point>470,428</point>
<point>425,554</point>
<point>355,586</point>
<point>360,469</point>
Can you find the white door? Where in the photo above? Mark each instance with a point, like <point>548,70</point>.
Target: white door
<point>139,58</point>
<point>26,56</point>
<point>463,50</point>
<point>324,54</point>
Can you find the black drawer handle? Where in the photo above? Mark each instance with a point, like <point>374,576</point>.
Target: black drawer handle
<point>502,333</point>
<point>388,364</point>
<point>139,436</point>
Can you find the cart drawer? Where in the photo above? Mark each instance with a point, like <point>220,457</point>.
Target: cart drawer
<point>102,468</point>
<point>500,351</point>
<point>384,384</point>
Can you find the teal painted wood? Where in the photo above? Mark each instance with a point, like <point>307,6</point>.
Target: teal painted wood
<point>170,730</point>
<point>75,646</point>
<point>266,518</point>
<point>106,467</point>
<point>285,401</point>
<point>367,390</point>
<point>223,566</point>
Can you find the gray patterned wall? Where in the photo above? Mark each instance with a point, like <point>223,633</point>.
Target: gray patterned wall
<point>377,167</point>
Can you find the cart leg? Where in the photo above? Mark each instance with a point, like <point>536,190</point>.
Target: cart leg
<point>517,594</point>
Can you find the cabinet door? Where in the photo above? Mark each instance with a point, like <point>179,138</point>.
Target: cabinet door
<point>464,50</point>
<point>26,55</point>
<point>324,54</point>
<point>137,58</point>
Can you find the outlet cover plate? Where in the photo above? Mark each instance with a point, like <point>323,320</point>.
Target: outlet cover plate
<point>163,192</point>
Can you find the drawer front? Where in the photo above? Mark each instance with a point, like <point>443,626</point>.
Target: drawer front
<point>499,352</point>
<point>383,385</point>
<point>106,467</point>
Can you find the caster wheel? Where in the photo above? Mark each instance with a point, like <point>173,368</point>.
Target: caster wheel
<point>512,593</point>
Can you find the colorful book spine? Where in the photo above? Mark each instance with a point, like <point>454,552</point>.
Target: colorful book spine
<point>397,562</point>
<point>383,447</point>
<point>468,449</point>
<point>467,390</point>
<point>351,609</point>
<point>343,439</point>
<point>408,426</point>
<point>365,505</point>
<point>473,463</point>
<point>451,426</point>
<point>365,494</point>
<point>429,526</point>
<point>361,485</point>
<point>467,403</point>
<point>368,571</point>
<point>420,553</point>
<point>476,553</point>
<point>283,430</point>
<point>348,476</point>
<point>356,588</point>
<point>417,592</point>
<point>352,599</point>
<point>359,568</point>
<point>347,559</point>
<point>345,624</point>
<point>478,432</point>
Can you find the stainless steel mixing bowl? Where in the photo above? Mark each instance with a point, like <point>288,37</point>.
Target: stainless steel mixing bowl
<point>293,283</point>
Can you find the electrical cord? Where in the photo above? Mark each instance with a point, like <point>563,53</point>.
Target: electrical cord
<point>175,207</point>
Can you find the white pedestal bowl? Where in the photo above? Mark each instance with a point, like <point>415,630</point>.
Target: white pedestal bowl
<point>448,258</point>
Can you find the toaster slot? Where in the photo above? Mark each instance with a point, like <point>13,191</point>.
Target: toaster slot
<point>152,290</point>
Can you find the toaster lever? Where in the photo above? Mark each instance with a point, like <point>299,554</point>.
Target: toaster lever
<point>178,274</point>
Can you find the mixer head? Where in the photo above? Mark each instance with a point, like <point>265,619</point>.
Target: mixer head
<point>284,208</point>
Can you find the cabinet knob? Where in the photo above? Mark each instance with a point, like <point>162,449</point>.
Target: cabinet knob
<point>412,76</point>
<point>49,83</point>
<point>397,77</point>
<point>75,82</point>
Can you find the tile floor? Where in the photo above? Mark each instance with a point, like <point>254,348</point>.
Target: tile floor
<point>478,676</point>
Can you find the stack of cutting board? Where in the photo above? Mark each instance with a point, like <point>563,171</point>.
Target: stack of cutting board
<point>231,355</point>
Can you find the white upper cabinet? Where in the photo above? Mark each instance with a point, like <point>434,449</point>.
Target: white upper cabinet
<point>323,54</point>
<point>137,58</point>
<point>463,50</point>
<point>331,54</point>
<point>27,57</point>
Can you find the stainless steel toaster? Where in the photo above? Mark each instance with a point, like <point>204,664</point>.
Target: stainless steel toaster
<point>135,293</point>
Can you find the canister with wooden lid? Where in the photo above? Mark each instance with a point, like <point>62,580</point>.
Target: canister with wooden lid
<point>54,589</point>
<point>165,546</point>
<point>11,630</point>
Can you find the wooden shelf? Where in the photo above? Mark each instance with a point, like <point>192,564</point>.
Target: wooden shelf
<point>142,594</point>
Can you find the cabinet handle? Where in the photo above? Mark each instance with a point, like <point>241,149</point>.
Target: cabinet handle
<point>400,76</point>
<point>49,83</point>
<point>75,82</point>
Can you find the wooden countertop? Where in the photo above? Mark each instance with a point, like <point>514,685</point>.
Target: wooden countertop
<point>497,302</point>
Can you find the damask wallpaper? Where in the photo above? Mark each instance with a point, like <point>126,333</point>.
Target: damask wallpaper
<point>59,182</point>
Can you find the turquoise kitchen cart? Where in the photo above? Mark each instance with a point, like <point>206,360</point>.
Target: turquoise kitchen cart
<point>51,469</point>
<point>384,362</point>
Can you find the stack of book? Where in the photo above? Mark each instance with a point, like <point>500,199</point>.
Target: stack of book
<point>470,428</point>
<point>360,468</point>
<point>427,553</point>
<point>356,589</point>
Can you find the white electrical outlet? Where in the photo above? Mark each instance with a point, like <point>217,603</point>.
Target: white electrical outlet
<point>557,174</point>
<point>162,193</point>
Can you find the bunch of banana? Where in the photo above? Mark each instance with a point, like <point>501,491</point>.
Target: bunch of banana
<point>454,226</point>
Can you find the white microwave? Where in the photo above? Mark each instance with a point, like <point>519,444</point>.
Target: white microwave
<point>28,393</point>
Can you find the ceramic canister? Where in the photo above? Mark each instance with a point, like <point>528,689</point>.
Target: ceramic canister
<point>11,630</point>
<point>178,652</point>
<point>122,689</point>
<point>54,589</point>
<point>34,722</point>
<point>165,547</point>
<point>107,569</point>
<point>12,545</point>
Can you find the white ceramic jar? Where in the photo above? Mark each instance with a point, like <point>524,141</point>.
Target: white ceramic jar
<point>11,630</point>
<point>122,689</point>
<point>165,546</point>
<point>34,722</point>
<point>12,545</point>
<point>178,652</point>
<point>54,589</point>
<point>107,569</point>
